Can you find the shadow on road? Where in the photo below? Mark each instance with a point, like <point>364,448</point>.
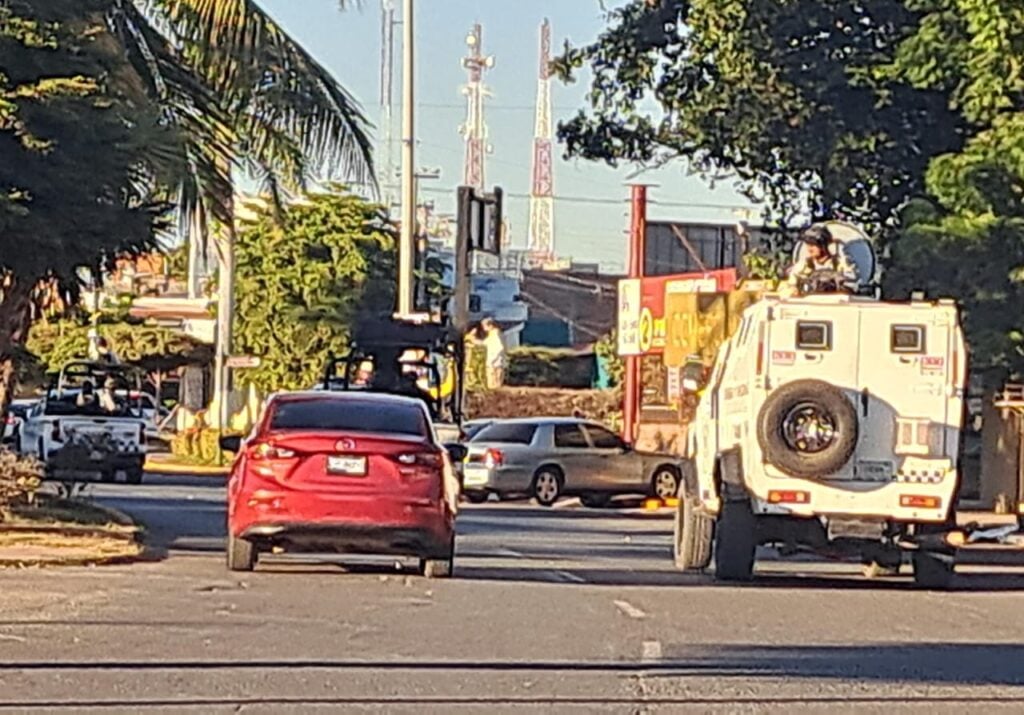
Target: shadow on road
<point>977,664</point>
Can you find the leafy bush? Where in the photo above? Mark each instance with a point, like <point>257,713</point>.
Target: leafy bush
<point>20,477</point>
<point>601,405</point>
<point>607,351</point>
<point>198,446</point>
<point>549,367</point>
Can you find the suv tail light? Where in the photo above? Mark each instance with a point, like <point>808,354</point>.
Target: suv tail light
<point>494,458</point>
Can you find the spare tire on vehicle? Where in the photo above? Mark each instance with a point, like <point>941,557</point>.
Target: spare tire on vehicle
<point>808,429</point>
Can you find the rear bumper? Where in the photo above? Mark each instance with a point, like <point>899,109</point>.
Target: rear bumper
<point>476,477</point>
<point>344,524</point>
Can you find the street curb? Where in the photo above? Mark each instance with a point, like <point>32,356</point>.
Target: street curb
<point>190,470</point>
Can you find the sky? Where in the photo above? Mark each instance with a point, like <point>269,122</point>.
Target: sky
<point>348,44</point>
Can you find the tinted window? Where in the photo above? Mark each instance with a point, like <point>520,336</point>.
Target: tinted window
<point>907,338</point>
<point>570,437</point>
<point>814,336</point>
<point>506,433</point>
<point>350,416</point>
<point>604,438</point>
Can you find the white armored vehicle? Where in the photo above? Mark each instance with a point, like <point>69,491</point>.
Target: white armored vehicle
<point>829,423</point>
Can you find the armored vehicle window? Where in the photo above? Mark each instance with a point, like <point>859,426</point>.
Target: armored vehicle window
<point>907,339</point>
<point>814,336</point>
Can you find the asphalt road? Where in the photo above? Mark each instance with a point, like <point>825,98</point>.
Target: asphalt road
<point>559,610</point>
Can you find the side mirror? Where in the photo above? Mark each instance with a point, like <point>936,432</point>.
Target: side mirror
<point>231,443</point>
<point>692,378</point>
<point>457,451</point>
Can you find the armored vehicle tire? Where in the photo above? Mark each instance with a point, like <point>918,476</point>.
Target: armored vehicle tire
<point>693,535</point>
<point>808,429</point>
<point>933,569</point>
<point>735,542</point>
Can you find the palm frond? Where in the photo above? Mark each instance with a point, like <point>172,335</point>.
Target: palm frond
<point>258,70</point>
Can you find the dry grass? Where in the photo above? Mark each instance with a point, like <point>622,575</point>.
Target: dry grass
<point>56,532</point>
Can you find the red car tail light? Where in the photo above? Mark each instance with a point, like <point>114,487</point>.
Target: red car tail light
<point>493,458</point>
<point>265,451</point>
<point>420,465</point>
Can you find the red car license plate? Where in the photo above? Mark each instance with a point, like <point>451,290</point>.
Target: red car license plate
<point>349,466</point>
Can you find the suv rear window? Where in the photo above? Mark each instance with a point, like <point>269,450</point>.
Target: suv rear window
<point>514,433</point>
<point>350,416</point>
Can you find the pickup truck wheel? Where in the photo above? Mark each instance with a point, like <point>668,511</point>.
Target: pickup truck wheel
<point>808,429</point>
<point>735,542</point>
<point>933,569</point>
<point>241,554</point>
<point>693,535</point>
<point>547,486</point>
<point>665,483</point>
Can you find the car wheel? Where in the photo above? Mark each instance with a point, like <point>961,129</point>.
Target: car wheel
<point>933,569</point>
<point>547,486</point>
<point>595,500</point>
<point>135,476</point>
<point>241,554</point>
<point>439,568</point>
<point>665,483</point>
<point>476,497</point>
<point>735,542</point>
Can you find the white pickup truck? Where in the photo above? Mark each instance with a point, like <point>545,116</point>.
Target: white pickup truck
<point>88,425</point>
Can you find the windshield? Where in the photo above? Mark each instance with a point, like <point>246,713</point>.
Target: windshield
<point>375,416</point>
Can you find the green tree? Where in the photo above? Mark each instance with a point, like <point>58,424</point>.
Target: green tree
<point>966,239</point>
<point>779,95</point>
<point>78,185</point>
<point>907,115</point>
<point>304,278</point>
<point>110,108</point>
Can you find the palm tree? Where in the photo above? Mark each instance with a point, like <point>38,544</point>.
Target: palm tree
<point>243,95</point>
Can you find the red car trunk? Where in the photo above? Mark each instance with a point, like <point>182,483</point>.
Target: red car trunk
<point>346,462</point>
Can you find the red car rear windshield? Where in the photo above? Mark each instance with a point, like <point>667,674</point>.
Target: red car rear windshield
<point>350,416</point>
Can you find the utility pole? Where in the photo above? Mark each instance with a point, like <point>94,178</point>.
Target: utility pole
<point>407,245</point>
<point>225,320</point>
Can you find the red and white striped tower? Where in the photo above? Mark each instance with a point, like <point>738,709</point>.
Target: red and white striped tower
<point>475,130</point>
<point>542,193</point>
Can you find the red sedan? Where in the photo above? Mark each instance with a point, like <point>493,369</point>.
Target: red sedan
<point>342,473</point>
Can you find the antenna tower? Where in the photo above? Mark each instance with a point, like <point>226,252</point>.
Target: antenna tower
<point>542,193</point>
<point>474,130</point>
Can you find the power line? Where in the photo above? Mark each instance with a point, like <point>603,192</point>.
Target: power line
<point>594,200</point>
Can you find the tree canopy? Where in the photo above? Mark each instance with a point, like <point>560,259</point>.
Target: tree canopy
<point>905,115</point>
<point>303,279</point>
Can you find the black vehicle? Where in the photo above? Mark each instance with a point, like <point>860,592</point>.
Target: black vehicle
<point>423,360</point>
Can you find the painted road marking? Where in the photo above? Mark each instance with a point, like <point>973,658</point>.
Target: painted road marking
<point>630,610</point>
<point>651,651</point>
